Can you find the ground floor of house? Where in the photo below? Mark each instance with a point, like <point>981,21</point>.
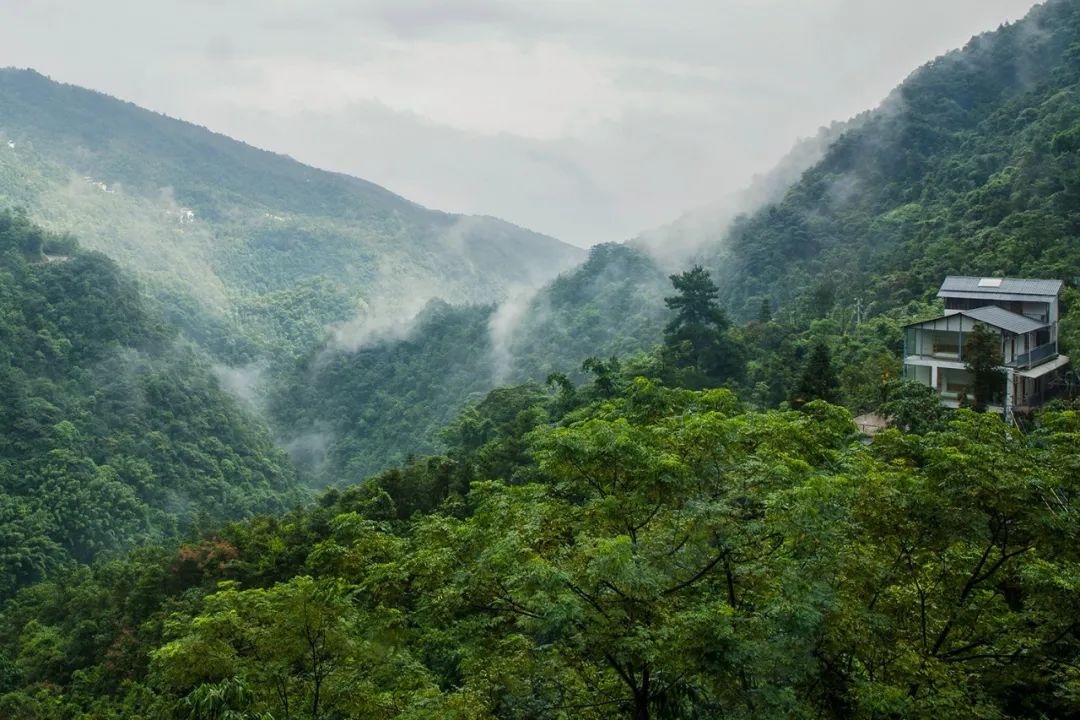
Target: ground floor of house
<point>1022,389</point>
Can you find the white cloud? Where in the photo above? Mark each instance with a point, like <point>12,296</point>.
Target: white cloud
<point>585,119</point>
<point>538,90</point>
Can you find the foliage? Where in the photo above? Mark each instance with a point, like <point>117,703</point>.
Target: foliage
<point>913,407</point>
<point>697,338</point>
<point>351,413</point>
<point>112,432</point>
<point>624,547</point>
<point>610,305</point>
<point>347,414</point>
<point>969,167</point>
<point>983,359</point>
<point>660,553</point>
<point>818,380</point>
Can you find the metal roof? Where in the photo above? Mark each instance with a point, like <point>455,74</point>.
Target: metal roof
<point>1003,319</point>
<point>991,315</point>
<point>1006,286</point>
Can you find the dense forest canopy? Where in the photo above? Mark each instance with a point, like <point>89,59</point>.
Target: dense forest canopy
<point>654,553</point>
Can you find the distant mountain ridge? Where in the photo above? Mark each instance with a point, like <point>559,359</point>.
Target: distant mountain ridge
<point>199,213</point>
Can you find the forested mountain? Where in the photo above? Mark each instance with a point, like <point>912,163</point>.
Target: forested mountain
<point>348,413</point>
<point>112,431</point>
<point>969,167</point>
<point>672,515</point>
<point>611,305</point>
<point>673,244</point>
<point>272,251</point>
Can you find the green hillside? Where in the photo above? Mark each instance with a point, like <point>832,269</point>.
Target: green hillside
<point>611,305</point>
<point>347,414</point>
<point>198,215</point>
<point>112,431</point>
<point>969,167</point>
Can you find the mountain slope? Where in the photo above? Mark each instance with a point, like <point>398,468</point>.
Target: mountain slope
<point>347,413</point>
<point>969,167</point>
<point>673,244</point>
<point>201,214</point>
<point>611,305</point>
<point>112,432</point>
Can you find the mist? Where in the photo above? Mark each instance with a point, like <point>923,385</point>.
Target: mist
<point>505,322</point>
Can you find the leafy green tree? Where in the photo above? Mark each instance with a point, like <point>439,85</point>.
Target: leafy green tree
<point>1069,328</point>
<point>287,644</point>
<point>822,298</point>
<point>605,376</point>
<point>566,393</point>
<point>983,359</point>
<point>912,407</point>
<point>818,380</point>
<point>765,311</point>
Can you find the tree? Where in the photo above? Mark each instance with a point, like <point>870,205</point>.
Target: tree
<point>765,311</point>
<point>642,575</point>
<point>912,407</point>
<point>605,375</point>
<point>285,645</point>
<point>565,393</point>
<point>982,356</point>
<point>697,339</point>
<point>818,380</point>
<point>823,298</point>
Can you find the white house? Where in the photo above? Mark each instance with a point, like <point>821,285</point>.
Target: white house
<point>1023,313</point>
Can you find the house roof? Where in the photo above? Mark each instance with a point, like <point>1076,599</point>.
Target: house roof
<point>999,286</point>
<point>994,316</point>
<point>1003,319</point>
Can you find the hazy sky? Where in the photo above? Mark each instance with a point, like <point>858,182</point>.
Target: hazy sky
<point>589,120</point>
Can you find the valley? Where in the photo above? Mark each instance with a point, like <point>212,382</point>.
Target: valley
<point>279,443</point>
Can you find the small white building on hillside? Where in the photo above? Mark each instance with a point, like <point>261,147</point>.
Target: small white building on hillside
<point>1023,313</point>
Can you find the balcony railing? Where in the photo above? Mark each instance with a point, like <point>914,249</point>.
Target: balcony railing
<point>1034,357</point>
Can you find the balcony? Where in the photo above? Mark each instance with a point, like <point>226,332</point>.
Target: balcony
<point>1034,357</point>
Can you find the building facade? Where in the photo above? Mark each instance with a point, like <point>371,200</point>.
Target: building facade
<point>1022,313</point>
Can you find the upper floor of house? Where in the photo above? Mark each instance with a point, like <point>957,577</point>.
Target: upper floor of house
<point>1037,300</point>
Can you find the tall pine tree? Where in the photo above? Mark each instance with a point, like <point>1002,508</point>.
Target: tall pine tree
<point>698,342</point>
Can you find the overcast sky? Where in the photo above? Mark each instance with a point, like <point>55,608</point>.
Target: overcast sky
<point>590,120</point>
